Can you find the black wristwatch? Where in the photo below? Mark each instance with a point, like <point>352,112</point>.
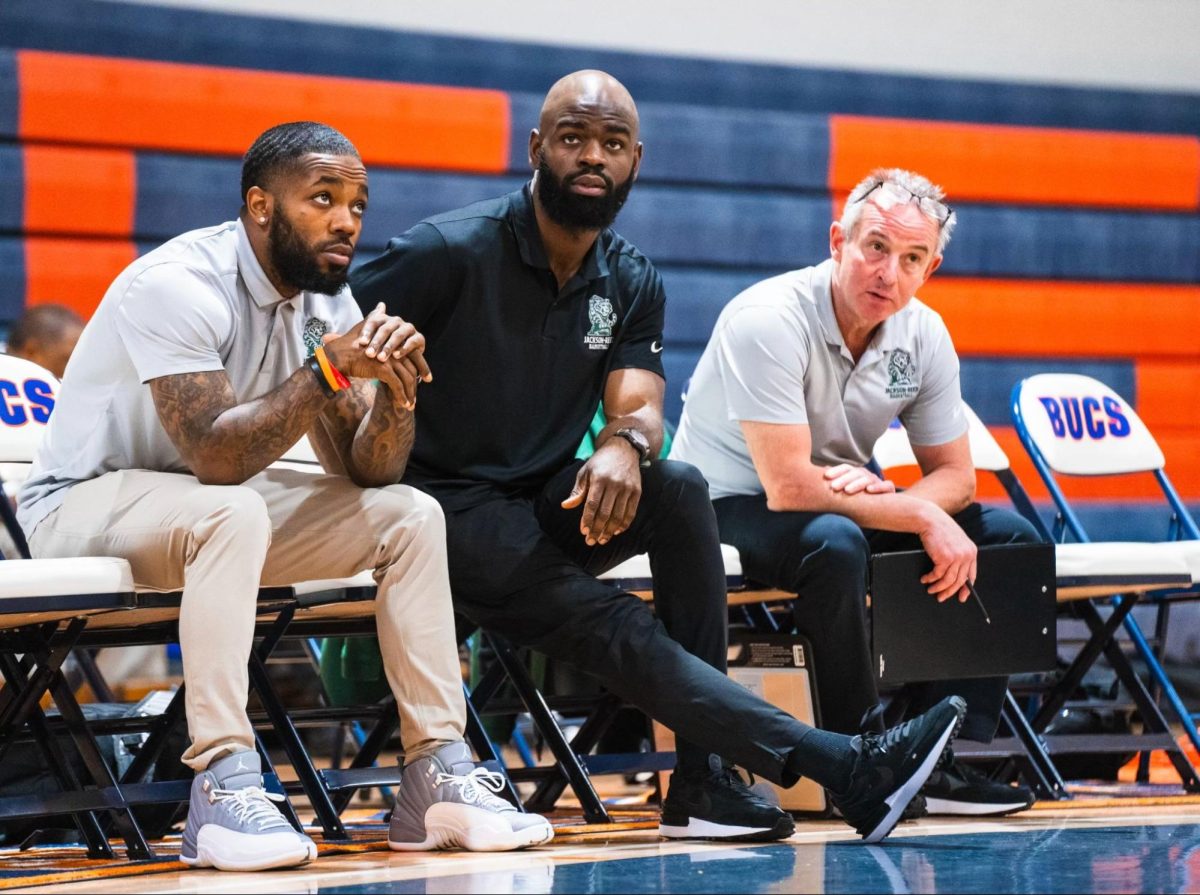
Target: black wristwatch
<point>639,441</point>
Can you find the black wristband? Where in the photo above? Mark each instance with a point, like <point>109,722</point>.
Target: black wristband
<point>315,365</point>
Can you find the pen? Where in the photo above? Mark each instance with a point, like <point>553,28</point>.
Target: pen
<point>975,594</point>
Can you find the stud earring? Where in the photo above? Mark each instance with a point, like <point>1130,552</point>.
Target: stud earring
<point>262,220</point>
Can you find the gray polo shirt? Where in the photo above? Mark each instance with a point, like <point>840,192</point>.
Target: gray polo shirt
<point>777,355</point>
<point>199,303</point>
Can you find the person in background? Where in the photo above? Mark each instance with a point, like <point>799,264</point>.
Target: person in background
<point>46,335</point>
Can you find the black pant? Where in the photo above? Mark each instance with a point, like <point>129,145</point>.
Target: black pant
<point>825,559</point>
<point>520,567</point>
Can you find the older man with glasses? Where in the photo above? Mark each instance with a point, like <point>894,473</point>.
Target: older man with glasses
<point>802,374</point>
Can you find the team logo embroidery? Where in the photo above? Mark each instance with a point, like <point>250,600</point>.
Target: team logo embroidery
<point>314,328</point>
<point>602,317</point>
<point>903,381</point>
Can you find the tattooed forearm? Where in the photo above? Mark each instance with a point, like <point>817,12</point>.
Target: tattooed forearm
<point>223,442</point>
<point>372,433</point>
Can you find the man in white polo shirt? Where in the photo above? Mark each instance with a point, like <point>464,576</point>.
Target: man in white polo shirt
<point>206,360</point>
<point>802,375</point>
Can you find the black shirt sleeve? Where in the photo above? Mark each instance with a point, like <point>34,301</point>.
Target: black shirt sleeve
<point>412,277</point>
<point>640,342</point>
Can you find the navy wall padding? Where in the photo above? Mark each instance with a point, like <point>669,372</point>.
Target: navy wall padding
<point>987,382</point>
<point>12,277</point>
<point>695,298</point>
<point>9,97</point>
<point>180,193</point>
<point>679,363</point>
<point>115,29</point>
<point>707,227</point>
<point>702,144</point>
<point>1075,244</point>
<point>1116,520</point>
<point>736,230</point>
<point>12,188</point>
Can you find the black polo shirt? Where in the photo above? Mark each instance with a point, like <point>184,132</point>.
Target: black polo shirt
<point>518,365</point>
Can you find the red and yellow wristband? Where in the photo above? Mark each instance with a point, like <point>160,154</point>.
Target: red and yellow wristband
<point>334,379</point>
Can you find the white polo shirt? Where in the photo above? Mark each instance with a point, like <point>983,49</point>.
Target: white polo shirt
<point>199,303</point>
<point>777,355</point>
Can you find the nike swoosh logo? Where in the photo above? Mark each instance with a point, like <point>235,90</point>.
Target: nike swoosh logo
<point>656,347</point>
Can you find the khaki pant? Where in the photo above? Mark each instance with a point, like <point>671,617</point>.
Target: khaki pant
<point>219,543</point>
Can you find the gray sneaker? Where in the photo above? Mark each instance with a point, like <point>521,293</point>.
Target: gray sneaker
<point>233,824</point>
<point>447,801</point>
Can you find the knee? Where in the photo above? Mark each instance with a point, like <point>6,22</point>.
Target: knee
<point>836,543</point>
<point>414,513</point>
<point>683,482</point>
<point>235,512</point>
<point>1006,527</point>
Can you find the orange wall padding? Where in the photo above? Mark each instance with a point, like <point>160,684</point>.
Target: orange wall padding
<point>194,108</point>
<point>73,272</point>
<point>90,192</point>
<point>1036,317</point>
<point>1022,165</point>
<point>1178,447</point>
<point>1168,396</point>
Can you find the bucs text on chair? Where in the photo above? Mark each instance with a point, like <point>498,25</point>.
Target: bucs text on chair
<point>44,608</point>
<point>1074,425</point>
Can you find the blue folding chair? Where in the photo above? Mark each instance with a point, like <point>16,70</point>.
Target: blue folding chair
<point>1073,425</point>
<point>1083,572</point>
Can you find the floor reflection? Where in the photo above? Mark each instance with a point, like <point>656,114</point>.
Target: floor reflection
<point>1153,859</point>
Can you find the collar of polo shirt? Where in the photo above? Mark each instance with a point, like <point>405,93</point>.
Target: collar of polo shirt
<point>533,250</point>
<point>257,282</point>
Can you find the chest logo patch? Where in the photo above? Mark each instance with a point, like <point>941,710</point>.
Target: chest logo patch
<point>903,378</point>
<point>314,328</point>
<point>601,316</point>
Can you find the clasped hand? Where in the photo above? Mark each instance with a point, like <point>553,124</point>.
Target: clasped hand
<point>383,347</point>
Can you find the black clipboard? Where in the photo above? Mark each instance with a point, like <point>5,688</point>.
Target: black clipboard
<point>916,638</point>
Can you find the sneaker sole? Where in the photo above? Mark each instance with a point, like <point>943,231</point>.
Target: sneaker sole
<point>206,857</point>
<point>899,800</point>
<point>706,829</point>
<point>439,837</point>
<point>973,809</point>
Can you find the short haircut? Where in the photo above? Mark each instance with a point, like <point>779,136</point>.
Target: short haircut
<point>921,187</point>
<point>42,324</point>
<point>279,149</point>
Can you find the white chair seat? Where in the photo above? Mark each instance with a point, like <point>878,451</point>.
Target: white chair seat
<point>1120,566</point>
<point>43,578</point>
<point>634,573</point>
<point>362,579</point>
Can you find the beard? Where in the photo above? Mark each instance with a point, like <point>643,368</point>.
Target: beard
<point>297,263</point>
<point>572,211</point>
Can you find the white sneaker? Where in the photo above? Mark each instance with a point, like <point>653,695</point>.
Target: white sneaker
<point>446,801</point>
<point>233,823</point>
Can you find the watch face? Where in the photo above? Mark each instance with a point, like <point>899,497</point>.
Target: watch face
<point>638,440</point>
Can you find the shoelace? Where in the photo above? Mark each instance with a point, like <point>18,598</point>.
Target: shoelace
<point>252,806</point>
<point>889,739</point>
<point>478,788</point>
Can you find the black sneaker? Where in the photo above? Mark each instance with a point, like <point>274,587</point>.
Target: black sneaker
<point>958,788</point>
<point>894,765</point>
<point>719,805</point>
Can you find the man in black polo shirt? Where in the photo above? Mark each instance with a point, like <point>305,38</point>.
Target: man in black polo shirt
<point>533,312</point>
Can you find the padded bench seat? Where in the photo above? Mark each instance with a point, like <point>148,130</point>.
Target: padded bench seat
<point>1102,569</point>
<point>40,590</point>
